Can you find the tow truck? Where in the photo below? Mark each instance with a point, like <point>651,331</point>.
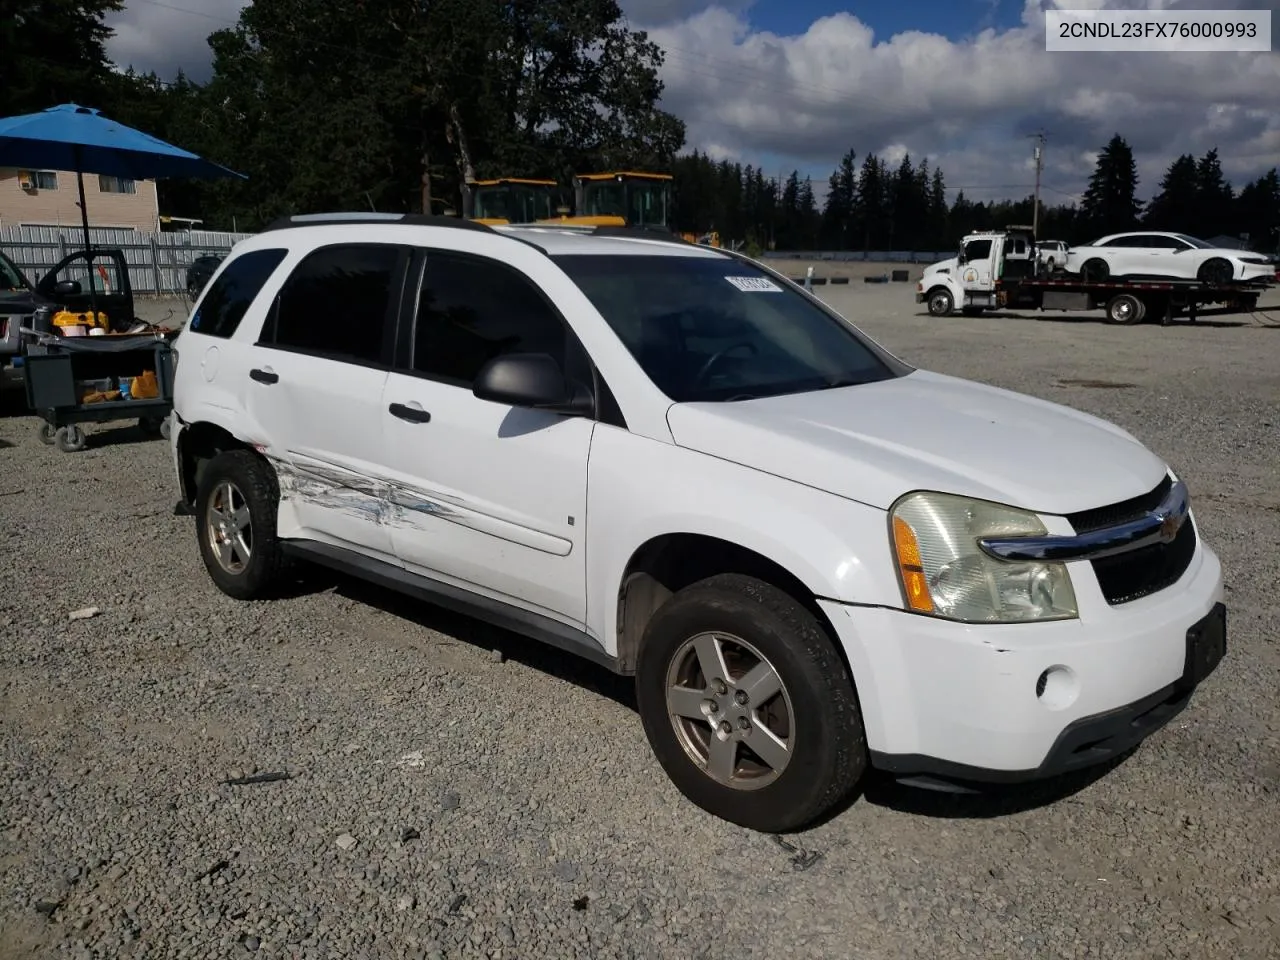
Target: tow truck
<point>1001,269</point>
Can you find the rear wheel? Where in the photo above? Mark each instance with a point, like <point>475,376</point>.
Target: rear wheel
<point>1125,308</point>
<point>1215,271</point>
<point>941,303</point>
<point>236,524</point>
<point>748,706</point>
<point>1095,271</point>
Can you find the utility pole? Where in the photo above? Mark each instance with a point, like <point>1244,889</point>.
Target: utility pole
<point>1035,210</point>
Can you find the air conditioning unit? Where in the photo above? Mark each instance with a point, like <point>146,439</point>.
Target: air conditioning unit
<point>26,180</point>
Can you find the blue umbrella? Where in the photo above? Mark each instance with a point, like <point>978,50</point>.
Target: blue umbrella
<point>72,137</point>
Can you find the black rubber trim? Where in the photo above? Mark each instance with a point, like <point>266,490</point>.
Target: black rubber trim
<point>495,612</point>
<point>1089,740</point>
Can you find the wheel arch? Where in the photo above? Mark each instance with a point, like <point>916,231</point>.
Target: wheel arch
<point>668,562</point>
<point>198,443</point>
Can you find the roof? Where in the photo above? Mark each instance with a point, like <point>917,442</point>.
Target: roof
<point>625,173</point>
<point>553,239</point>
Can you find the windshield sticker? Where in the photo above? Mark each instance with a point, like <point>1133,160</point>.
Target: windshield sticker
<point>755,284</point>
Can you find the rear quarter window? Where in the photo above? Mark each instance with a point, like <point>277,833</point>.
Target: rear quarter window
<point>229,296</point>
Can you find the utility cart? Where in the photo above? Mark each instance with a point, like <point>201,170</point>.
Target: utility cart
<point>95,379</point>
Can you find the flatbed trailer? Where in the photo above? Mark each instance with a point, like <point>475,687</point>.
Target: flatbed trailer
<point>1126,302</point>
<point>1001,269</point>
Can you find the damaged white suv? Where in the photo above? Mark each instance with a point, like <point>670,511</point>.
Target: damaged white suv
<point>668,459</point>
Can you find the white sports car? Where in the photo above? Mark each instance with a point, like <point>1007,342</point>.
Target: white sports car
<point>1176,256</point>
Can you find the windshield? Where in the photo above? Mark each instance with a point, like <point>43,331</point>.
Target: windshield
<point>638,202</point>
<point>515,203</point>
<point>714,328</point>
<point>1194,241</point>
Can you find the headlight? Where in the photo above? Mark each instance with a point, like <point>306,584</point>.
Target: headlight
<point>945,574</point>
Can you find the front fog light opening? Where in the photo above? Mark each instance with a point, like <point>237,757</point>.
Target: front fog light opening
<point>1057,687</point>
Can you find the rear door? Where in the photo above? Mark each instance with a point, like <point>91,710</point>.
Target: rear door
<point>488,497</point>
<point>315,390</point>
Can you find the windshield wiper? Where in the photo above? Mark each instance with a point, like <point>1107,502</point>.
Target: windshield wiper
<point>836,382</point>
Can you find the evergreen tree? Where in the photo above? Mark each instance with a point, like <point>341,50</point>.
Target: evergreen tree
<point>1110,204</point>
<point>1176,201</point>
<point>1257,213</point>
<point>1212,213</point>
<point>837,212</point>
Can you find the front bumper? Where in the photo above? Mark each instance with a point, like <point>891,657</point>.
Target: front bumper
<point>964,702</point>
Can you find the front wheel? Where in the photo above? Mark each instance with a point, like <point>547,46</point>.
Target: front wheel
<point>236,524</point>
<point>1215,271</point>
<point>941,303</point>
<point>748,706</point>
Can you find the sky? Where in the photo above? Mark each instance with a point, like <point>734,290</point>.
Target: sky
<point>794,84</point>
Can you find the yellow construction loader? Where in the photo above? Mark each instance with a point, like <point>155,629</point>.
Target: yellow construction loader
<point>510,200</point>
<point>613,199</point>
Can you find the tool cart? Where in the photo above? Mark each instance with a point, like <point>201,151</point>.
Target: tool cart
<point>95,379</point>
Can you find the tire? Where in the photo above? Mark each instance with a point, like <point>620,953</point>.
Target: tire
<point>941,303</point>
<point>1216,271</point>
<point>47,433</point>
<point>1095,271</point>
<point>826,748</point>
<point>232,482</point>
<point>1126,309</point>
<point>71,438</point>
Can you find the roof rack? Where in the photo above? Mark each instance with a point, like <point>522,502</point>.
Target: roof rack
<point>640,233</point>
<point>354,218</point>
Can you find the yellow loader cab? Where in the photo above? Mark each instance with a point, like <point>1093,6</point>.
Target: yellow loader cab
<point>624,198</point>
<point>510,200</point>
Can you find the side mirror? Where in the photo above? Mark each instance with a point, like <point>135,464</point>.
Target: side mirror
<point>68,288</point>
<point>531,380</point>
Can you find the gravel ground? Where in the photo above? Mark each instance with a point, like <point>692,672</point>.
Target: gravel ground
<point>446,800</point>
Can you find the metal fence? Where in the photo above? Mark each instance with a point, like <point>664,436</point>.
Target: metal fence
<point>861,256</point>
<point>157,261</point>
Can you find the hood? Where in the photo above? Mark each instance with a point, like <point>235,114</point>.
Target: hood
<point>941,266</point>
<point>926,431</point>
<point>1245,254</point>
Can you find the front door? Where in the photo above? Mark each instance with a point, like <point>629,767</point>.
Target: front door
<point>315,389</point>
<point>485,496</point>
<point>975,271</point>
<point>103,279</point>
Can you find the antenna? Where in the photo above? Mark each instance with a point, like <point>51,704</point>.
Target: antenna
<point>1038,137</point>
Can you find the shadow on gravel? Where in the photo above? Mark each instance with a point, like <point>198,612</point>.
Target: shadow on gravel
<point>992,801</point>
<point>124,434</point>
<point>460,629</point>
<point>1099,320</point>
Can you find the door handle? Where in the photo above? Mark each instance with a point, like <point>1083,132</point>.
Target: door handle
<point>412,414</point>
<point>264,376</point>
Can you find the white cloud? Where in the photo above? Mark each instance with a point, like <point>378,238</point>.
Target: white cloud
<point>970,103</point>
<point>168,35</point>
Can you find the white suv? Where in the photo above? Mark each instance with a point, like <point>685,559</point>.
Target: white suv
<point>668,459</point>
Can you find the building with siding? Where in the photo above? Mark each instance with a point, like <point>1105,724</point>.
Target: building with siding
<point>49,198</point>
